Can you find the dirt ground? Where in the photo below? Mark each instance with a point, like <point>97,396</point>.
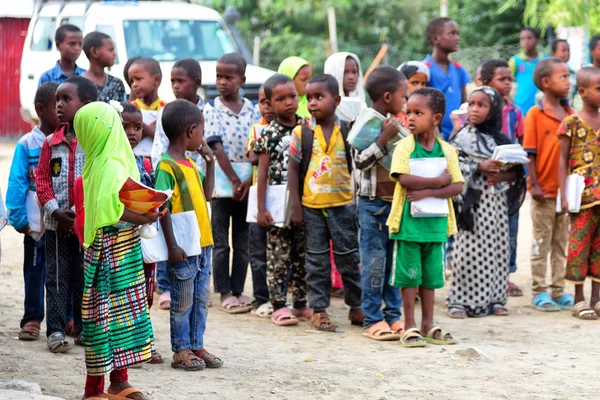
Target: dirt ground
<point>527,355</point>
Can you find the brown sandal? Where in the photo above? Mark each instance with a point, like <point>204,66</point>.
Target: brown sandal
<point>321,322</point>
<point>356,316</point>
<point>187,361</point>
<point>30,331</point>
<point>157,358</point>
<point>210,360</point>
<point>381,332</point>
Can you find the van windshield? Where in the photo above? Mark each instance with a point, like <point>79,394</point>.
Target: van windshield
<point>170,40</point>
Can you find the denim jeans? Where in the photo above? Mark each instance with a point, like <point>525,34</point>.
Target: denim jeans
<point>34,275</point>
<point>190,295</point>
<point>162,277</point>
<point>258,264</point>
<point>513,231</point>
<point>376,255</point>
<point>339,225</point>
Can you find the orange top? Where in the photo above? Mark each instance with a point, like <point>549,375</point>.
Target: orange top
<point>541,139</point>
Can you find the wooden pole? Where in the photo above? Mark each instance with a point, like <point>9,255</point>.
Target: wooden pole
<point>377,60</point>
<point>443,8</point>
<point>332,29</point>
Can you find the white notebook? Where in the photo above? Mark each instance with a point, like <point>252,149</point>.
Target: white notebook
<point>574,191</point>
<point>430,206</point>
<point>277,203</point>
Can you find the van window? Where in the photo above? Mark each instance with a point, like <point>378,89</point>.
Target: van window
<point>77,21</point>
<point>42,37</point>
<point>170,40</point>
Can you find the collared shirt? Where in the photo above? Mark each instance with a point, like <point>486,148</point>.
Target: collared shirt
<point>513,123</point>
<point>541,139</point>
<point>221,124</point>
<point>60,164</point>
<point>57,75</point>
<point>161,144</point>
<point>22,176</point>
<point>522,68</point>
<point>275,140</point>
<point>400,165</point>
<point>451,83</point>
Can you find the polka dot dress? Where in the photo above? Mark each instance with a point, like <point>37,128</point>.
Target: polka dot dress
<point>480,258</point>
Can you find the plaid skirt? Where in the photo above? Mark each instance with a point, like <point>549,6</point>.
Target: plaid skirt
<point>117,331</point>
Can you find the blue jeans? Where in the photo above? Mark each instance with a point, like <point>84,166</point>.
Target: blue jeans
<point>34,275</point>
<point>376,256</point>
<point>162,277</point>
<point>190,295</point>
<point>513,231</point>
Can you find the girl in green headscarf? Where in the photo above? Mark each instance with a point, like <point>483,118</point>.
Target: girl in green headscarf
<point>300,71</point>
<point>117,332</point>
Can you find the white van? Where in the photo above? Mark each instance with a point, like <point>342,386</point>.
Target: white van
<point>164,30</point>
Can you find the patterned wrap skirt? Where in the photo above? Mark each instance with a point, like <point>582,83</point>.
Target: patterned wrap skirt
<point>117,331</point>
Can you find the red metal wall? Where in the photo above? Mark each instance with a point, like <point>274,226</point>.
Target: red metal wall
<point>12,36</point>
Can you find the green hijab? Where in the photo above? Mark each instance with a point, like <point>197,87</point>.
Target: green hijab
<point>290,67</point>
<point>109,163</point>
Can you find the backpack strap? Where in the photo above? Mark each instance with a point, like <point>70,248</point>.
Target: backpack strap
<point>186,198</point>
<point>307,136</point>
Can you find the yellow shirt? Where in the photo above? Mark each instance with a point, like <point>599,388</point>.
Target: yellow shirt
<point>328,182</point>
<point>400,165</point>
<point>165,179</point>
<point>156,106</point>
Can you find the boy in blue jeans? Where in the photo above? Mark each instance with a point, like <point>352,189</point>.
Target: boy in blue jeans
<point>189,277</point>
<point>21,181</point>
<point>387,89</point>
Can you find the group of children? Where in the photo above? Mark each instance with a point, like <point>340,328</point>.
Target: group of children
<point>349,207</point>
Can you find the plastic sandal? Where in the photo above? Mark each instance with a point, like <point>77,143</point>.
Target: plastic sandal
<point>457,312</point>
<point>412,333</point>
<point>381,332</point>
<point>583,311</point>
<point>303,314</point>
<point>498,310</point>
<point>543,302</point>
<point>122,395</point>
<point>565,301</point>
<point>398,327</point>
<point>57,343</point>
<point>264,311</point>
<point>30,331</point>
<point>445,337</point>
<point>231,305</point>
<point>164,301</point>
<point>284,317</point>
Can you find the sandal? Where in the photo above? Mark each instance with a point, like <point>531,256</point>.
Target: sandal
<point>597,308</point>
<point>583,311</point>
<point>124,394</point>
<point>565,301</point>
<point>79,340</point>
<point>57,343</point>
<point>264,310</point>
<point>284,317</point>
<point>514,290</point>
<point>303,314</point>
<point>498,310</point>
<point>321,322</point>
<point>210,360</point>
<point>356,316</point>
<point>398,327</point>
<point>164,301</point>
<point>412,333</point>
<point>244,301</point>
<point>381,332</point>
<point>231,305</point>
<point>187,361</point>
<point>157,358</point>
<point>543,302</point>
<point>457,312</point>
<point>444,338</point>
<point>30,331</point>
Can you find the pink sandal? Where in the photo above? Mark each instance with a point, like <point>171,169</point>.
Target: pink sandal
<point>164,301</point>
<point>284,317</point>
<point>303,314</point>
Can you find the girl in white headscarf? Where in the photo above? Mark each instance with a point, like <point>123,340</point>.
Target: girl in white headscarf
<point>345,68</point>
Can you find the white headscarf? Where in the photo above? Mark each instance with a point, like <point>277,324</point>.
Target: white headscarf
<point>352,105</point>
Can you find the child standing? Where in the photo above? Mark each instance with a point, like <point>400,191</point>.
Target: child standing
<point>550,229</point>
<point>300,71</point>
<point>417,75</point>
<point>100,50</point>
<point>387,89</point>
<point>345,68</point>
<point>21,181</point>
<point>419,242</point>
<point>285,245</point>
<point>320,186</point>
<point>579,155</point>
<point>522,66</point>
<point>189,276</point>
<point>60,163</point>
<point>448,76</point>
<point>560,49</point>
<point>258,244</point>
<point>68,39</point>
<point>117,330</point>
<point>481,248</point>
<point>497,75</point>
<point>227,124</point>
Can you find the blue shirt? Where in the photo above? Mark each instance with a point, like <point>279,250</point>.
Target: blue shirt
<point>522,68</point>
<point>451,84</point>
<point>57,75</point>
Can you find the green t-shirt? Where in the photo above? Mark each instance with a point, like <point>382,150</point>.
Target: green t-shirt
<point>424,230</point>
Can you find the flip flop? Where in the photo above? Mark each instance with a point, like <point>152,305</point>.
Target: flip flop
<point>122,395</point>
<point>231,305</point>
<point>544,299</point>
<point>164,301</point>
<point>30,331</point>
<point>446,337</point>
<point>284,317</point>
<point>583,311</point>
<point>498,310</point>
<point>381,332</point>
<point>412,333</point>
<point>565,301</point>
<point>457,312</point>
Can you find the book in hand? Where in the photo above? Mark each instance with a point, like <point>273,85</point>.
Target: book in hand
<point>429,207</point>
<point>277,202</point>
<point>510,154</point>
<point>144,147</point>
<point>141,198</point>
<point>223,186</point>
<point>574,191</point>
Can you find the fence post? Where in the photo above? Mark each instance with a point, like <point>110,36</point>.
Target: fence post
<point>256,51</point>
